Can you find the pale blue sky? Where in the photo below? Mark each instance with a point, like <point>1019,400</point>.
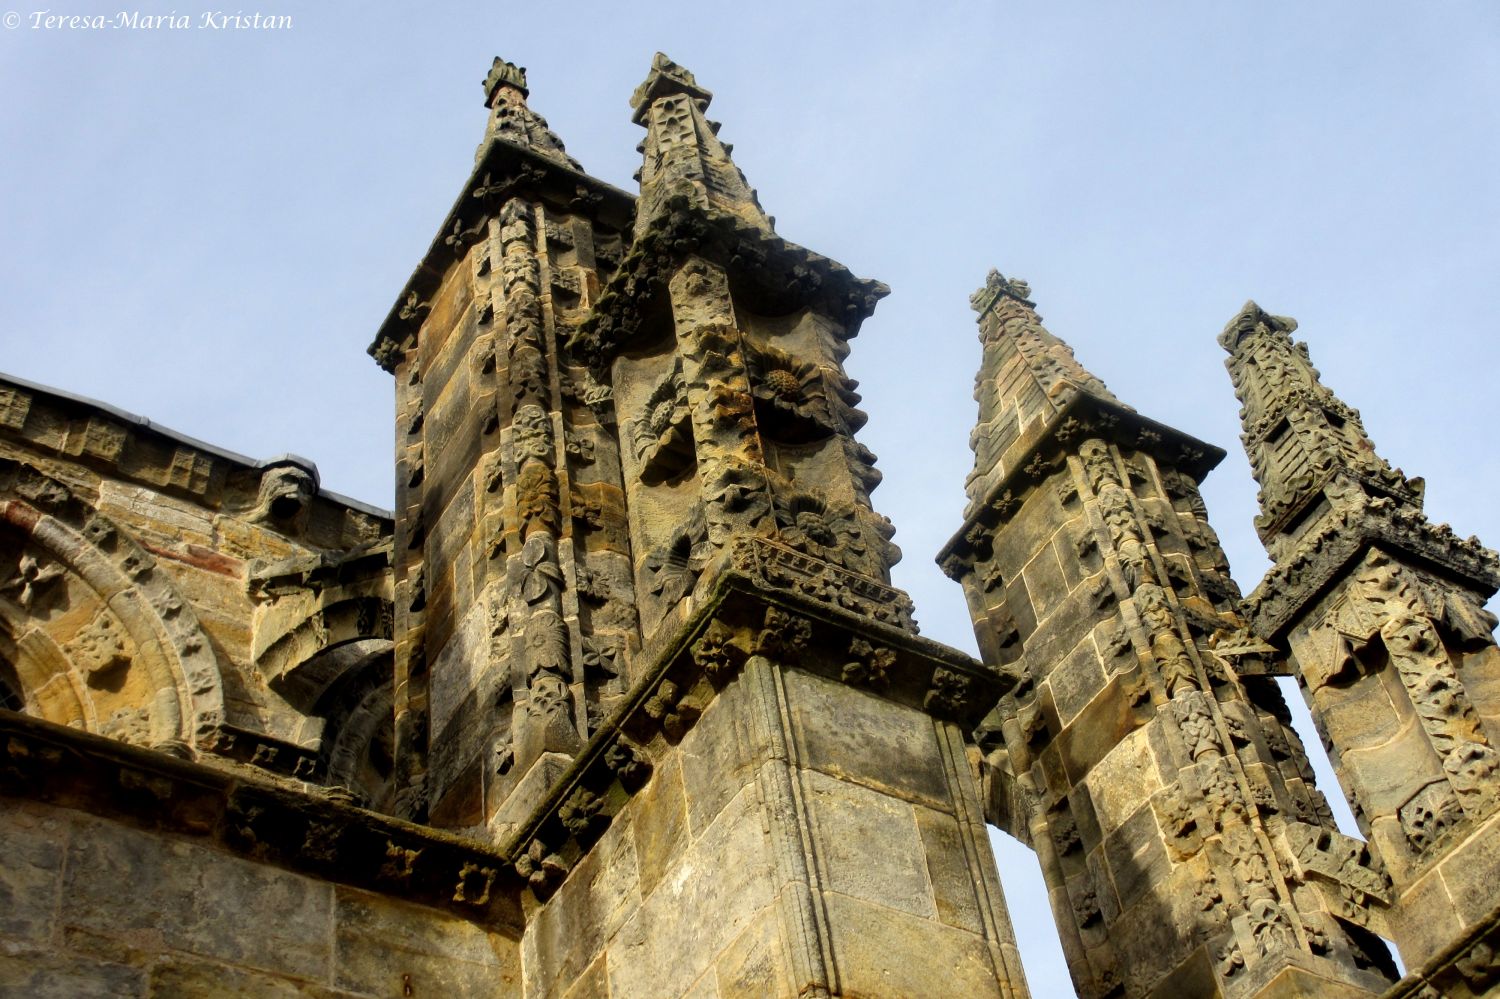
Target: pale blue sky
<point>207,227</point>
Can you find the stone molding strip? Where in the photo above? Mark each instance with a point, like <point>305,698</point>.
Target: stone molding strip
<point>285,824</point>
<point>11,388</point>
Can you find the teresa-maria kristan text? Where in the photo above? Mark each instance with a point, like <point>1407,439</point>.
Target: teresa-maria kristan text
<point>128,20</point>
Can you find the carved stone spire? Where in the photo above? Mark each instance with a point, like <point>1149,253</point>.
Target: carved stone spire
<point>1383,614</point>
<point>1142,750</point>
<point>683,155</point>
<point>1304,444</point>
<point>1027,377</point>
<point>511,120</point>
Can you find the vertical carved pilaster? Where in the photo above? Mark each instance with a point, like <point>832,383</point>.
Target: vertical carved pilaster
<point>1382,612</point>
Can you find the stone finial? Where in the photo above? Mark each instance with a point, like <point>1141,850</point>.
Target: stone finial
<point>996,286</point>
<point>512,121</point>
<point>1303,442</point>
<point>1027,378</point>
<point>685,161</point>
<point>1249,319</point>
<point>665,78</point>
<point>504,74</point>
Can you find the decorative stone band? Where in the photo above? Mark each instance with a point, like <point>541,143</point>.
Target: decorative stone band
<point>1044,450</point>
<point>257,749</point>
<point>504,171</point>
<point>778,567</point>
<point>285,825</point>
<point>738,621</point>
<point>780,274</point>
<point>1282,510</point>
<point>1291,586</point>
<point>130,447</point>
<point>184,672</point>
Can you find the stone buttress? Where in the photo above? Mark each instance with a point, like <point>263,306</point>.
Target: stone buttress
<point>1143,749</point>
<point>648,641</point>
<point>1383,615</point>
<point>514,600</point>
<point>784,805</point>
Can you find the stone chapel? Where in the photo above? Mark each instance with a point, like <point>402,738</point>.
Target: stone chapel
<point>620,699</point>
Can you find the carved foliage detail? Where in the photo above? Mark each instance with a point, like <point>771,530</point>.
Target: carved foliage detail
<point>672,570</point>
<point>810,525</point>
<point>868,664</point>
<point>662,438</point>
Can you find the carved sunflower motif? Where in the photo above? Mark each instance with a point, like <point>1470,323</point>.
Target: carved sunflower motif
<point>662,437</point>
<point>809,525</point>
<point>791,396</point>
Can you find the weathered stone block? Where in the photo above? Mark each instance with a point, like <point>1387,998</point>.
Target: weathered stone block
<point>566,938</point>
<point>1471,873</point>
<point>1091,739</point>
<point>194,899</point>
<point>48,974</point>
<point>717,755</point>
<point>711,891</point>
<point>384,947</point>
<point>660,823</point>
<point>948,870</point>
<point>1123,781</point>
<point>853,735</point>
<point>1076,680</point>
<point>1425,921</point>
<point>1045,585</point>
<point>462,668</point>
<point>1136,856</point>
<point>189,979</point>
<point>1361,714</point>
<point>592,984</point>
<point>860,831</point>
<point>883,952</point>
<point>751,967</point>
<point>31,876</point>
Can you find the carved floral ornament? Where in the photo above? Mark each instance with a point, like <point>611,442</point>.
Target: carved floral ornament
<point>791,396</point>
<point>809,524</point>
<point>662,438</point>
<point>737,495</point>
<point>31,581</point>
<point>673,569</point>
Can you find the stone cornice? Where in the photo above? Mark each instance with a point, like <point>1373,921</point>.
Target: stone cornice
<point>99,435</point>
<point>282,823</point>
<point>777,274</point>
<point>1279,513</point>
<point>1294,584</point>
<point>743,613</point>
<point>1081,417</point>
<point>503,170</point>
